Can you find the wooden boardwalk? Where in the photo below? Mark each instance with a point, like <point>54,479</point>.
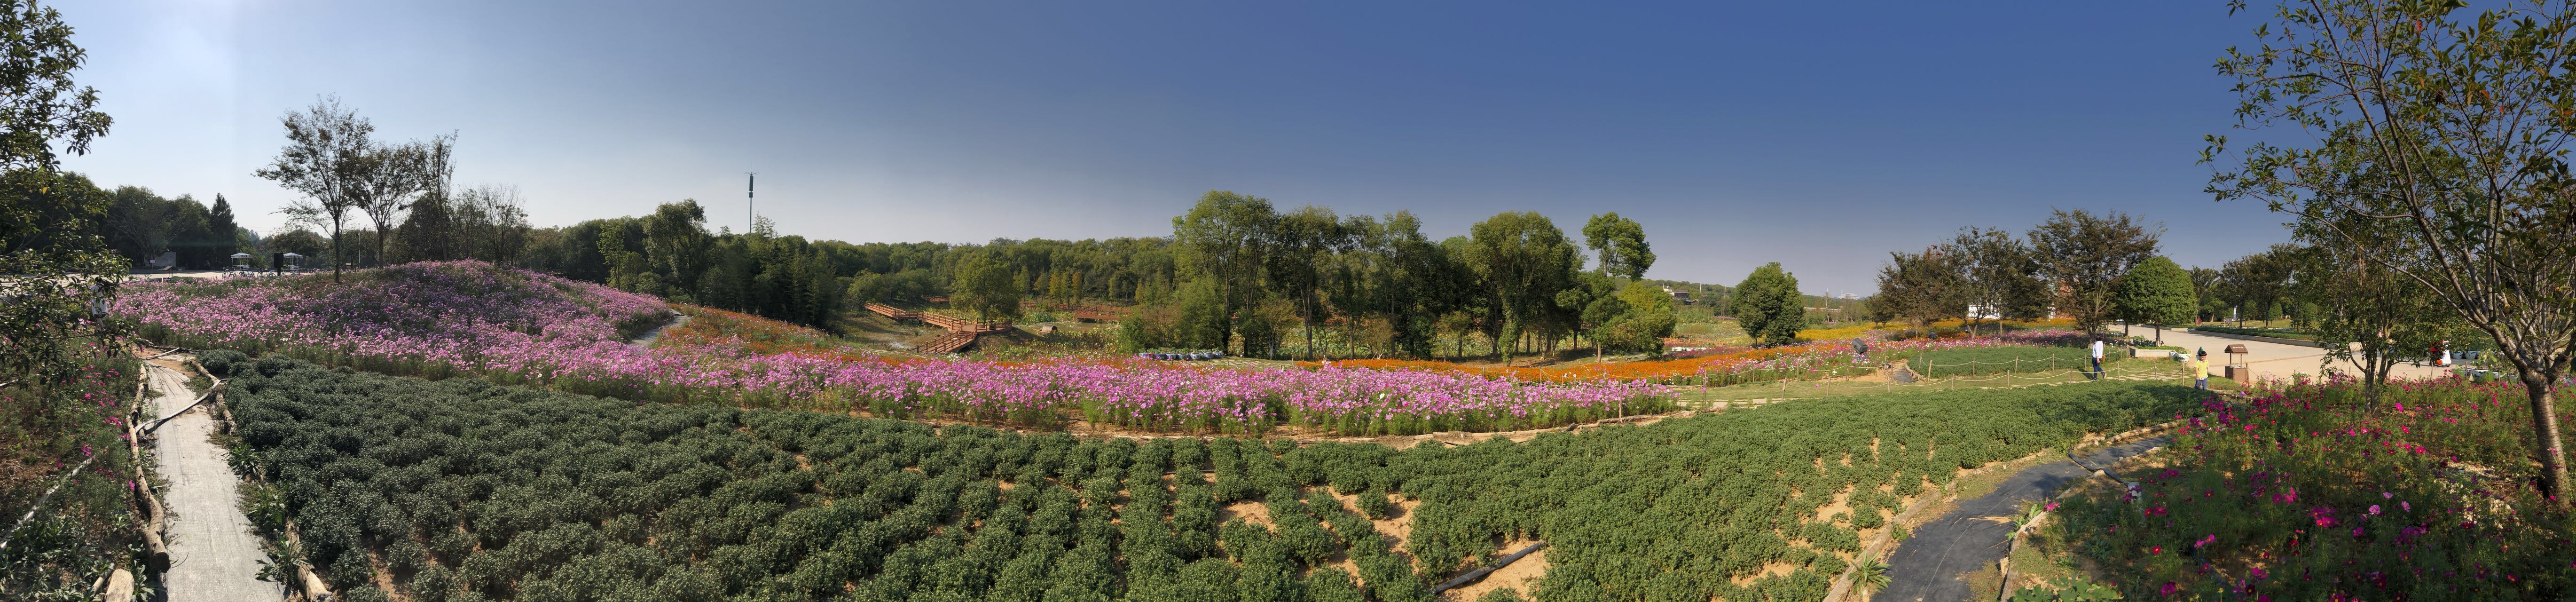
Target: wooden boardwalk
<point>962,332</point>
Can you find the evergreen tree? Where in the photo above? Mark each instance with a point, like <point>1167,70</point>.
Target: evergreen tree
<point>227,232</point>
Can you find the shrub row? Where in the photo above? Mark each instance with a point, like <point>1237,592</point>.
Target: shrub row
<point>472,491</point>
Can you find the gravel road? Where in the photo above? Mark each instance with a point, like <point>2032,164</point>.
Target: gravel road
<point>214,556</point>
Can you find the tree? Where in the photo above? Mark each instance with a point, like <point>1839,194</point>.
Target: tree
<point>2369,316</point>
<point>2084,255</point>
<point>1768,306</point>
<point>2157,292</point>
<point>627,269</point>
<point>1920,288</point>
<point>328,154</point>
<point>2257,285</point>
<point>493,222</point>
<point>55,276</point>
<point>988,287</point>
<point>1300,243</point>
<point>1224,238</point>
<point>226,231</point>
<point>2450,129</point>
<point>1995,276</point>
<point>393,178</point>
<point>676,241</point>
<point>298,241</point>
<point>1524,260</point>
<point>1621,243</point>
<point>429,233</point>
<point>2204,286</point>
<point>46,109</point>
<point>1646,318</point>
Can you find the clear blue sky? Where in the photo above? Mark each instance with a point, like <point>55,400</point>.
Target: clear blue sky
<point>1819,135</point>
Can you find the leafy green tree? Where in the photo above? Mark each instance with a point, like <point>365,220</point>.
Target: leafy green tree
<point>1300,246</point>
<point>1919,288</point>
<point>2368,315</point>
<point>1768,306</point>
<point>2255,285</point>
<point>1202,323</point>
<point>676,241</point>
<point>1225,240</point>
<point>2157,292</point>
<point>55,275</point>
<point>1524,261</point>
<point>2204,286</point>
<point>1646,317</point>
<point>628,270</point>
<point>2451,129</point>
<point>1996,276</point>
<point>987,287</point>
<point>2084,255</point>
<point>1621,244</point>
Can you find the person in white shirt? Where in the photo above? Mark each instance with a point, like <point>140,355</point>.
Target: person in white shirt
<point>2097,358</point>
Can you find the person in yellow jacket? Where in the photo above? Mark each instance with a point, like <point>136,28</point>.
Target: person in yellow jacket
<point>2200,370</point>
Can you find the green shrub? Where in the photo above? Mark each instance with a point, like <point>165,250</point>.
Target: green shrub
<point>575,497</point>
<point>1374,504</point>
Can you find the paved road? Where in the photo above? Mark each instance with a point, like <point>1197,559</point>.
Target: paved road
<point>214,556</point>
<point>2272,360</point>
<point>1933,565</point>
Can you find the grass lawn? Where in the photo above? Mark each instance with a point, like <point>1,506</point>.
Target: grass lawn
<point>1812,389</point>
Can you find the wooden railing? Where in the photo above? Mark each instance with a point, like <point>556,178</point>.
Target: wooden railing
<point>892,312</point>
<point>961,332</point>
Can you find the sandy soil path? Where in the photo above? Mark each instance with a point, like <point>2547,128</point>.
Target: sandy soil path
<point>2275,360</point>
<point>214,555</point>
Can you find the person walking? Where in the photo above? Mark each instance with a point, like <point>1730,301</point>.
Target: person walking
<point>2200,370</point>
<point>2097,358</point>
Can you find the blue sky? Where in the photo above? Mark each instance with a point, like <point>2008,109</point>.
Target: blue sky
<point>1819,135</point>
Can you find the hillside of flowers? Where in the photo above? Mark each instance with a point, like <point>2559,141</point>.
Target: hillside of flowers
<point>516,327</point>
<point>2315,492</point>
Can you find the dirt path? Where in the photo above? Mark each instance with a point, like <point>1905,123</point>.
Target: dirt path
<point>1934,564</point>
<point>646,339</point>
<point>214,556</point>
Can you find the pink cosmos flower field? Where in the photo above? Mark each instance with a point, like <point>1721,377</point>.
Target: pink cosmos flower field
<point>467,318</point>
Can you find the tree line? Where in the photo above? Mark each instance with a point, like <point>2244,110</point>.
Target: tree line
<point>1237,274</point>
<point>2093,268</point>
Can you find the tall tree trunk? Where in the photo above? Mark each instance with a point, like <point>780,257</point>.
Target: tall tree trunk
<point>2544,425</point>
<point>335,251</point>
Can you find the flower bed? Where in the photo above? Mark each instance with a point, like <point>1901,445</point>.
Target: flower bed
<point>2313,493</point>
<point>516,327</point>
